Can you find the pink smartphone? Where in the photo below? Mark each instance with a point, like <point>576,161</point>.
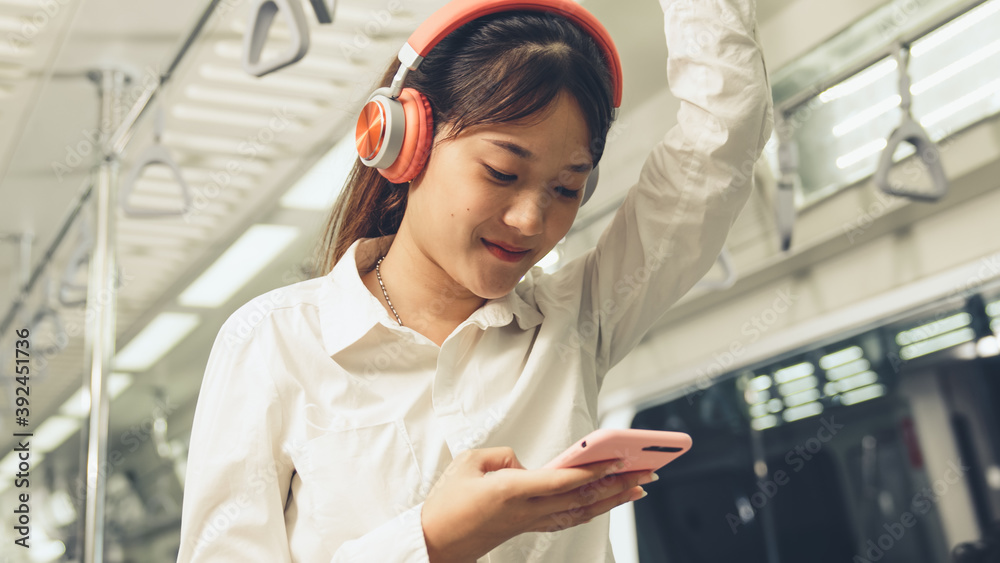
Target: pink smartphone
<point>640,449</point>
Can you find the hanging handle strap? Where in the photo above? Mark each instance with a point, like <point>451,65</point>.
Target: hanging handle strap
<point>262,15</point>
<point>155,154</point>
<point>788,168</point>
<point>324,14</point>
<point>725,260</point>
<point>910,131</point>
<point>45,311</point>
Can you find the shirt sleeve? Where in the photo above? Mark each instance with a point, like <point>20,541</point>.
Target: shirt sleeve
<point>237,476</point>
<point>672,224</point>
<point>238,472</point>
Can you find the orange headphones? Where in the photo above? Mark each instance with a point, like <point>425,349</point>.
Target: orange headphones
<point>395,128</point>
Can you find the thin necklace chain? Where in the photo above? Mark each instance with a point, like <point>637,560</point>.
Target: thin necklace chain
<point>378,274</point>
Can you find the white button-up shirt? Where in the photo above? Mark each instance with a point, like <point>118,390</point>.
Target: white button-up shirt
<point>322,424</point>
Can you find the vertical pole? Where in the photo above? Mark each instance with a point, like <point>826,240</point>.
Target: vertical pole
<point>102,301</point>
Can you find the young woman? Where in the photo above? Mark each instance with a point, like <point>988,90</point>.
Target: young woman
<point>399,407</point>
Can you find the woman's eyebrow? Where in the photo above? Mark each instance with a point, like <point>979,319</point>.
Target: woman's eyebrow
<point>519,151</point>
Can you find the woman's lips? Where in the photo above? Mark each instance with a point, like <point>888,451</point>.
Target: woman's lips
<point>502,254</point>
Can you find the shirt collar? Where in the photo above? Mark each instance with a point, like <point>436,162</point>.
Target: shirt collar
<point>348,310</point>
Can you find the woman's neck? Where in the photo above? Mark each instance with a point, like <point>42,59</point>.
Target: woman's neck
<point>424,296</point>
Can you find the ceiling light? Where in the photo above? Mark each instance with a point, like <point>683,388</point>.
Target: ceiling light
<point>840,357</point>
<point>941,342</point>
<point>855,381</point>
<point>324,89</point>
<point>254,250</point>
<point>760,382</point>
<point>53,432</point>
<point>993,309</point>
<point>866,116</point>
<point>796,371</point>
<point>155,340</point>
<point>965,63</point>
<point>988,346</point>
<point>79,404</point>
<point>928,330</point>
<point>859,81</point>
<point>802,411</point>
<point>862,394</point>
<point>953,28</point>
<point>764,422</point>
<point>252,100</point>
<point>802,398</point>
<point>960,104</point>
<point>319,187</point>
<point>798,385</point>
<point>861,153</point>
<point>851,368</point>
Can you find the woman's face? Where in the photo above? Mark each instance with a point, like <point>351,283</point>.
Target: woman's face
<point>517,185</point>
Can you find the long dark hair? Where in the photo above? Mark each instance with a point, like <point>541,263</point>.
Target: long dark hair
<point>499,68</point>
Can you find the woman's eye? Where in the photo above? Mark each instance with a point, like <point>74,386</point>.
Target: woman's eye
<point>573,194</point>
<point>500,176</point>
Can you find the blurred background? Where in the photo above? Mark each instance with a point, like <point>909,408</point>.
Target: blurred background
<point>838,367</point>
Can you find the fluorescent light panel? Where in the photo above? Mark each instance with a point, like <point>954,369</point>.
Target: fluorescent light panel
<point>760,382</point>
<point>802,398</point>
<point>797,385</point>
<point>941,342</point>
<point>796,371</point>
<point>859,81</point>
<point>963,64</point>
<point>851,368</point>
<point>988,346</point>
<point>960,104</point>
<point>993,309</point>
<point>855,381</point>
<point>155,340</point>
<point>53,432</point>
<point>775,405</point>
<point>79,404</point>
<point>861,153</point>
<point>840,357</point>
<point>764,422</point>
<point>862,394</point>
<point>866,116</point>
<point>320,186</point>
<point>802,411</point>
<point>928,330</point>
<point>953,28</point>
<point>254,250</point>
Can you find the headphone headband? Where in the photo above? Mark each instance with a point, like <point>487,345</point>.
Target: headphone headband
<point>459,12</point>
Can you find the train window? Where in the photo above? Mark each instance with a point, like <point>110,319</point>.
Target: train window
<point>841,131</point>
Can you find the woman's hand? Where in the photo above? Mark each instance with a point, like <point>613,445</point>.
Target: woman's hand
<point>469,510</point>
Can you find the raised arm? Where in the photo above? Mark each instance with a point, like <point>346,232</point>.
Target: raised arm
<point>673,222</point>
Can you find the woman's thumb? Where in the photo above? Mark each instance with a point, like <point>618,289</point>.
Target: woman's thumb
<point>494,459</point>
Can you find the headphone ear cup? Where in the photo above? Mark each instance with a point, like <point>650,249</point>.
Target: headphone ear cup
<point>418,135</point>
<point>591,185</point>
